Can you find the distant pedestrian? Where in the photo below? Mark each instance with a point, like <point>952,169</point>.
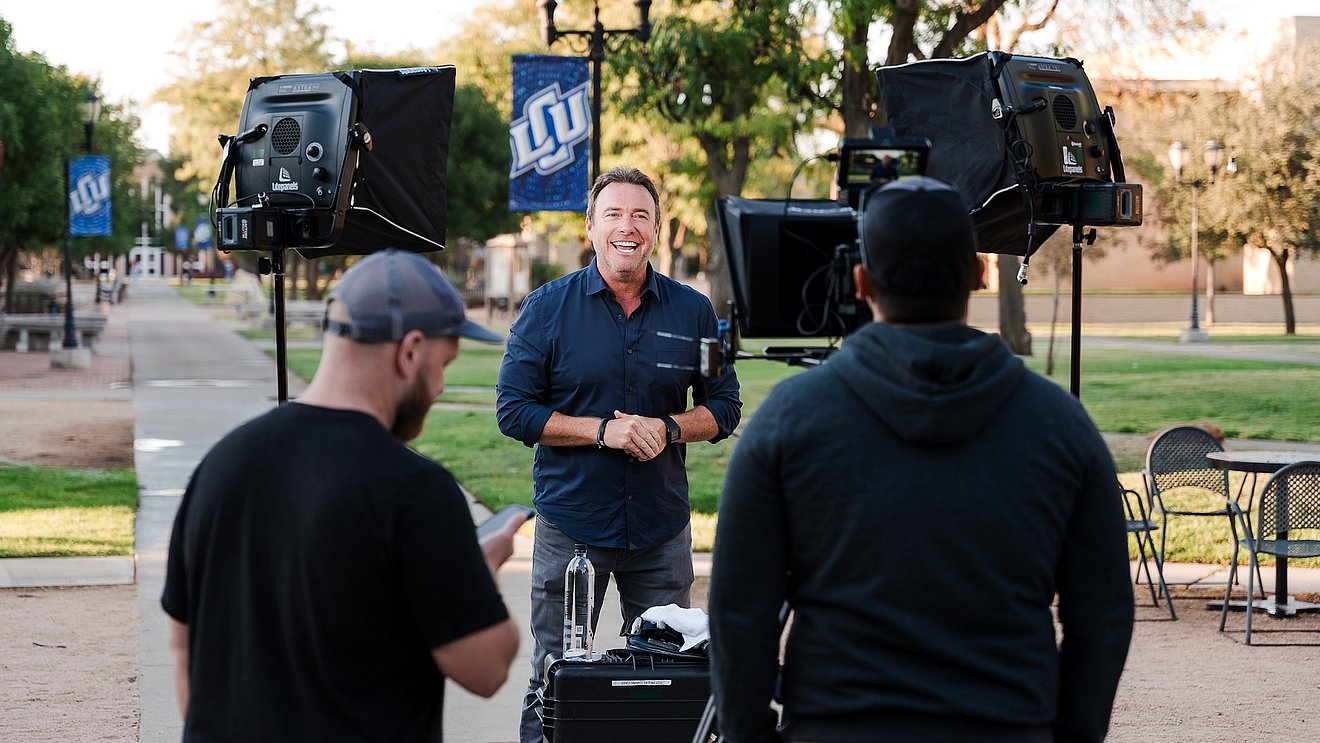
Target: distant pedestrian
<point>323,578</point>
<point>919,501</point>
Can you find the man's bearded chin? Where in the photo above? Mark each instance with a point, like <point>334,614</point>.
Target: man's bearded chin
<point>410,413</point>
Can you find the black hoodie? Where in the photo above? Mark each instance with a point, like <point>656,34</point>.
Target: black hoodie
<point>919,500</point>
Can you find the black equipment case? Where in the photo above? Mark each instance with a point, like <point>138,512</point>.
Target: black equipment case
<point>625,696</point>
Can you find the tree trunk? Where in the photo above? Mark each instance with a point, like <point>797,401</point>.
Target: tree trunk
<point>314,279</point>
<point>726,164</point>
<point>717,268</point>
<point>1289,313</point>
<point>1210,292</point>
<point>8,275</point>
<point>1012,311</point>
<point>858,82</point>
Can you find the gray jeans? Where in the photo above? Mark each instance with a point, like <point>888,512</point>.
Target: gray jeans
<point>655,576</point>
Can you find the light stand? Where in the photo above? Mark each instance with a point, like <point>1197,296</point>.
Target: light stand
<point>596,37</point>
<point>1179,157</point>
<point>91,108</point>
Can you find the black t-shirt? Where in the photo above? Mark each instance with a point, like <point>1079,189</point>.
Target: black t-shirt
<point>317,561</point>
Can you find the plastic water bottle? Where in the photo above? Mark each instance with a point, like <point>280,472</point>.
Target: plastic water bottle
<point>579,600</point>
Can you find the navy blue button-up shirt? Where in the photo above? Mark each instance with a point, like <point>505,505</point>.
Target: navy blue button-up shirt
<point>573,351</point>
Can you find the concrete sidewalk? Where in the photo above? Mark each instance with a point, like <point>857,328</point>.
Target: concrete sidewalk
<point>193,380</point>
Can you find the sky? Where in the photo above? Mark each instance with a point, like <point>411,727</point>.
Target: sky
<point>128,45</point>
<point>129,51</point>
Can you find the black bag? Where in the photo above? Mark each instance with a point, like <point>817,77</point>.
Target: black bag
<point>627,696</point>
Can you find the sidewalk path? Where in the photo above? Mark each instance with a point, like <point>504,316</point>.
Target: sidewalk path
<point>193,381</point>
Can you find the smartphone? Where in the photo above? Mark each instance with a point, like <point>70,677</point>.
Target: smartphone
<point>500,518</point>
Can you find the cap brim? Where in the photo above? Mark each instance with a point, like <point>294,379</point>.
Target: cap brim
<point>475,332</point>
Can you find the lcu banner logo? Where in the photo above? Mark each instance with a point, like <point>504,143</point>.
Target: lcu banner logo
<point>89,196</point>
<point>548,164</point>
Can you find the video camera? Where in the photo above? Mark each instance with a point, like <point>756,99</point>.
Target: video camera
<point>790,260</point>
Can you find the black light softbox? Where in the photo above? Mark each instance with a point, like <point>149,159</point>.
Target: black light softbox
<point>340,163</point>
<point>1003,127</point>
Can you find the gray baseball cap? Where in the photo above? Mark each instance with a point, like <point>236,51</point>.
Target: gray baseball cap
<point>392,292</point>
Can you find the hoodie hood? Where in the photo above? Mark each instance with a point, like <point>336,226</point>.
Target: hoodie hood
<point>930,384</point>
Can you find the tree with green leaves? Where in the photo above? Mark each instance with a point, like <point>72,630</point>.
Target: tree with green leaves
<point>244,39</point>
<point>1272,201</point>
<point>724,75</point>
<point>41,125</point>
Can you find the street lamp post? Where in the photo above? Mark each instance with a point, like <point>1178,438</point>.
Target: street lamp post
<point>91,108</point>
<point>1179,157</point>
<point>596,37</point>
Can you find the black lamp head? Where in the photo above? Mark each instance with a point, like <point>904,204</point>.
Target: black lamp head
<point>548,32</point>
<point>643,19</point>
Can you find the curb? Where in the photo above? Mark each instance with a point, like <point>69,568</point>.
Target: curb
<point>43,572</point>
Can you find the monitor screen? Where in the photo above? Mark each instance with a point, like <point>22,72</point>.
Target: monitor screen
<point>867,166</point>
<point>789,277</point>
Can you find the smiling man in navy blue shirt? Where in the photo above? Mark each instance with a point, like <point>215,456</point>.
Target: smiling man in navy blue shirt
<point>597,372</point>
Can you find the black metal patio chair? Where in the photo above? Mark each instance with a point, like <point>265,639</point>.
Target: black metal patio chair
<point>1140,526</point>
<point>1287,525</point>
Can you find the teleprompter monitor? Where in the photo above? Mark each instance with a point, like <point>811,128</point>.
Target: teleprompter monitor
<point>790,269</point>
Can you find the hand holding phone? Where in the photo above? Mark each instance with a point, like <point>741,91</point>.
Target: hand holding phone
<point>495,534</point>
<point>502,517</point>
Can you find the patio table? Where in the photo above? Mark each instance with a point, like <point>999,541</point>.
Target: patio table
<point>1256,462</point>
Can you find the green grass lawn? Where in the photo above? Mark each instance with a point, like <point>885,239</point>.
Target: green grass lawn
<point>1129,391</point>
<point>55,512</point>
<point>1124,391</point>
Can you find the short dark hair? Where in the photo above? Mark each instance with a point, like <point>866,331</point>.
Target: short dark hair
<point>622,174</point>
<point>919,246</point>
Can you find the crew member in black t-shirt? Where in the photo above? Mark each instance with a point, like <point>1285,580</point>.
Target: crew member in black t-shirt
<point>323,578</point>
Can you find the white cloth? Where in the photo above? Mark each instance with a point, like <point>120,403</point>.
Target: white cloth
<point>691,623</point>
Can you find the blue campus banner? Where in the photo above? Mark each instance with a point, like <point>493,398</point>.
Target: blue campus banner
<point>549,134</point>
<point>202,233</point>
<point>89,196</point>
<point>181,236</point>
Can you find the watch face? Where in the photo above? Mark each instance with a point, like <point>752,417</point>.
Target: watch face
<point>672,428</point>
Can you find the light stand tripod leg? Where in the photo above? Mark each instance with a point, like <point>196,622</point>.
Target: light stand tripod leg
<point>281,340</point>
<point>1075,353</point>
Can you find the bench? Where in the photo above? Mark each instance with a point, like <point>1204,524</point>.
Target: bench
<point>32,332</point>
<point>297,312</point>
<point>30,303</point>
<point>254,311</point>
<point>305,312</point>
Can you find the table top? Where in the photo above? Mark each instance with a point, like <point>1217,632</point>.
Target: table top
<point>1258,460</point>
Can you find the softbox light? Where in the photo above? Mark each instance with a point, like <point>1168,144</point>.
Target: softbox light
<point>1005,129</point>
<point>340,163</point>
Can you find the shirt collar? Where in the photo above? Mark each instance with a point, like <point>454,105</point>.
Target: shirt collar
<point>596,283</point>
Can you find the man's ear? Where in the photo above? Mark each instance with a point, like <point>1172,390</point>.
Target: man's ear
<point>408,355</point>
<point>862,280</point>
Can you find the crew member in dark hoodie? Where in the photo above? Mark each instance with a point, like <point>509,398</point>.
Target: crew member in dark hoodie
<point>919,500</point>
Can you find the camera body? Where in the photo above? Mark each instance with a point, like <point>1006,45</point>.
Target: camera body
<point>883,158</point>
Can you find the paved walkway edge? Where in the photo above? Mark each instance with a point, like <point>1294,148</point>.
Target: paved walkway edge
<point>37,572</point>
